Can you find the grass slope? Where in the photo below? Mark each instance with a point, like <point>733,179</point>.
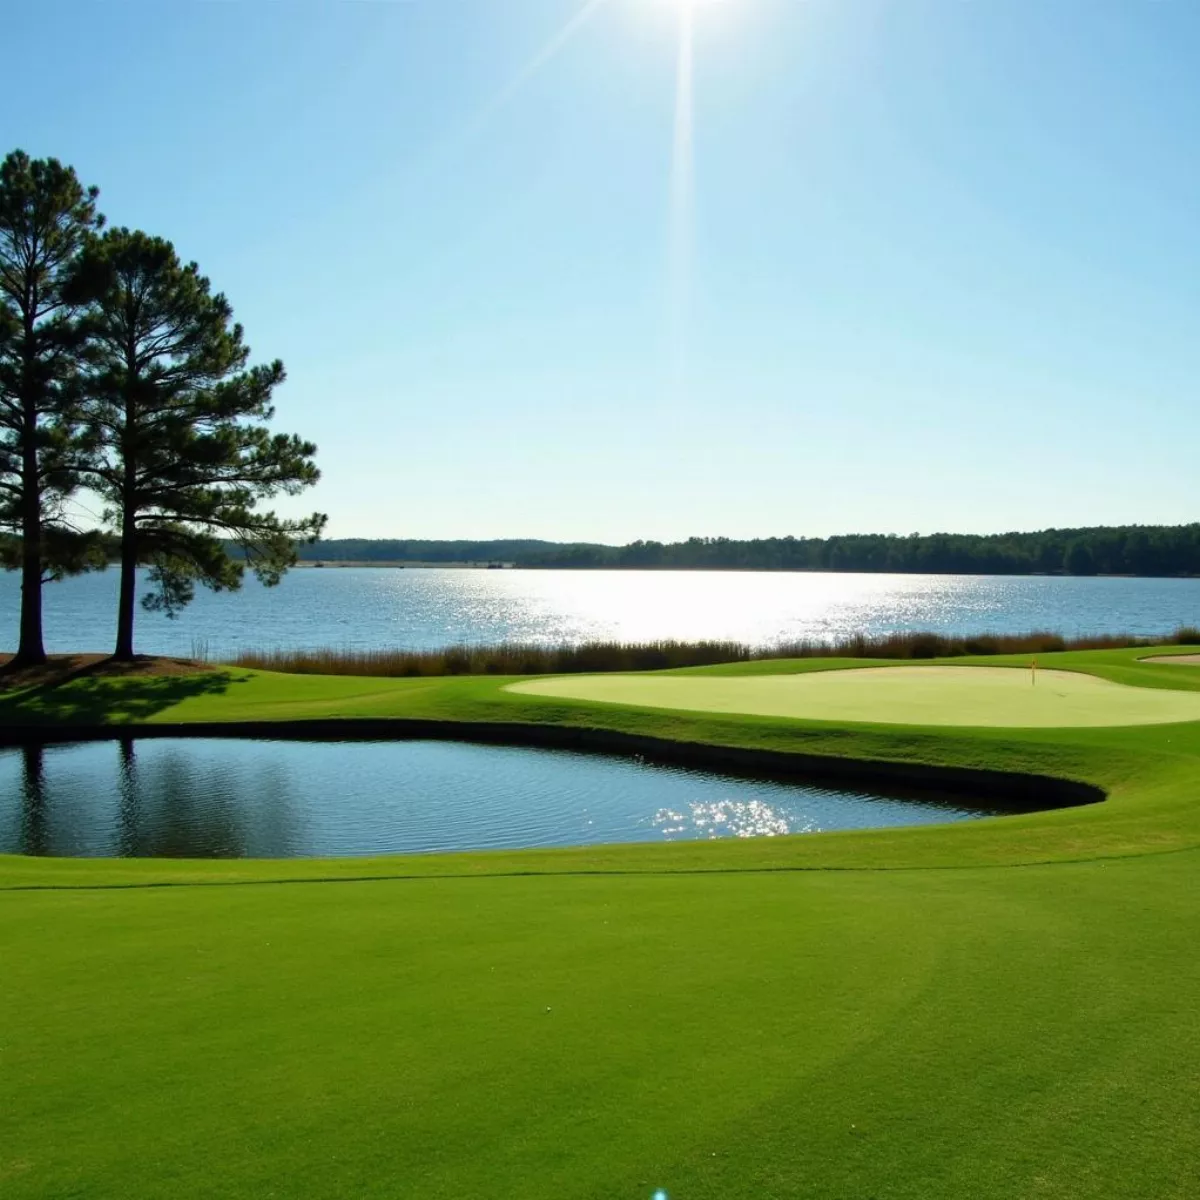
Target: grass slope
<point>766,1019</point>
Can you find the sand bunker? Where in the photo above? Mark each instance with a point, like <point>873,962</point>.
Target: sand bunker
<point>992,696</point>
<point>1178,660</point>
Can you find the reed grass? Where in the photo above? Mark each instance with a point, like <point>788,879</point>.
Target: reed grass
<point>512,658</point>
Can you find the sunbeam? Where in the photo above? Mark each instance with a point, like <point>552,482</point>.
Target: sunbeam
<point>549,51</point>
<point>682,192</point>
<point>467,133</point>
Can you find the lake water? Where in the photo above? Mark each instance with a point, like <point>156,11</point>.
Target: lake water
<point>224,798</point>
<point>369,608</point>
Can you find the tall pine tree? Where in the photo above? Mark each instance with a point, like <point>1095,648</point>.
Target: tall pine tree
<point>185,455</point>
<point>46,214</point>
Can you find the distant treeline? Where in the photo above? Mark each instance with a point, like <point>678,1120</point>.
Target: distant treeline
<point>1104,550</point>
<point>390,550</point>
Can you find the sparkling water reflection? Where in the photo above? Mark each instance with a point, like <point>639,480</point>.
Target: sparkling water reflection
<point>225,798</point>
<point>728,818</point>
<point>380,608</point>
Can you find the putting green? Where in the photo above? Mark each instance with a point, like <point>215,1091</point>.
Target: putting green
<point>978,696</point>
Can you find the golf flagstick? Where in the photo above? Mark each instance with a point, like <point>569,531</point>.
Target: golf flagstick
<point>1033,673</point>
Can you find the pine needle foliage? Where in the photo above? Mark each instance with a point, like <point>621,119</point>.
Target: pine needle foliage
<point>181,419</point>
<point>46,215</point>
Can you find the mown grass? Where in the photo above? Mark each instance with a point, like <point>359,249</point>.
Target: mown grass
<point>898,1035</point>
<point>514,658</point>
<point>897,1014</point>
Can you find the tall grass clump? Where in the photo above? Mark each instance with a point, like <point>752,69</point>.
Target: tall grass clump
<point>514,658</point>
<point>507,658</point>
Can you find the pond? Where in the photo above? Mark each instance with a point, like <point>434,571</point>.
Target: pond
<point>229,798</point>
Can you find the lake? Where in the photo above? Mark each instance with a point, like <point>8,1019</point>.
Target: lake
<point>225,798</point>
<point>382,608</point>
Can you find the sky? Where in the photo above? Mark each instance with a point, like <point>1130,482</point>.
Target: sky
<point>927,265</point>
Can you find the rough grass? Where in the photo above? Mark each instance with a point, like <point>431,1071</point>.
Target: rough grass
<point>589,657</point>
<point>857,1014</point>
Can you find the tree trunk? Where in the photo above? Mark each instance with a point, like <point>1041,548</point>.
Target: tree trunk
<point>129,540</point>
<point>31,651</point>
<point>125,603</point>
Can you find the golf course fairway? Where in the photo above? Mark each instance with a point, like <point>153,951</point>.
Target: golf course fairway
<point>997,697</point>
<point>995,1010</point>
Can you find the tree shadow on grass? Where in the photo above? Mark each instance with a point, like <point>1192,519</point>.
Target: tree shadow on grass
<point>103,693</point>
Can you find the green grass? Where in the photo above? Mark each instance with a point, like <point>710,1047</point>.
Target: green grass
<point>999,1009</point>
<point>992,696</point>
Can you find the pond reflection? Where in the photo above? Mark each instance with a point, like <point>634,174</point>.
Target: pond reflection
<point>172,806</point>
<point>225,798</point>
<point>34,836</point>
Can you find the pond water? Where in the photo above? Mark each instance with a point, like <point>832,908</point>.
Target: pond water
<point>225,798</point>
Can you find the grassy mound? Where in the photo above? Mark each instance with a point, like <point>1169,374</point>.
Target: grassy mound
<point>64,667</point>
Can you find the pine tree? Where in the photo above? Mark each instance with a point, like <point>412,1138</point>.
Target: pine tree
<point>45,217</point>
<point>185,455</point>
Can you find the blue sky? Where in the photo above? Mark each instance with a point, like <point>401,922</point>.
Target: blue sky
<point>944,260</point>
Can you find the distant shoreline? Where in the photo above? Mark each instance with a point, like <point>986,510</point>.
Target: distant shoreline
<point>1136,551</point>
<point>339,564</point>
<point>403,565</point>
